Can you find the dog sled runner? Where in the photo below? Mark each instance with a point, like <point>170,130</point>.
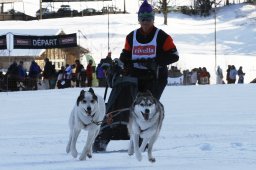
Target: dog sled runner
<point>124,90</point>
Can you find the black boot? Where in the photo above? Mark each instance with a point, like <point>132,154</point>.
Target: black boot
<point>100,145</point>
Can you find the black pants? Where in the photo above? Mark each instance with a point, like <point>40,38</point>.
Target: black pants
<point>155,86</point>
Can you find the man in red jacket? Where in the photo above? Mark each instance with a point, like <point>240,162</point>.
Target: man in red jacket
<point>89,72</point>
<point>147,52</point>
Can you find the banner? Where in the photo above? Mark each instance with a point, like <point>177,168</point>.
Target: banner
<point>3,44</point>
<point>44,42</point>
<point>71,0</point>
<point>9,1</point>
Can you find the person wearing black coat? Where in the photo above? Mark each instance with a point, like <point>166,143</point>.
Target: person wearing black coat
<point>49,72</point>
<point>147,52</point>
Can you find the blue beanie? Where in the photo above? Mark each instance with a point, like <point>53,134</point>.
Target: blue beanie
<point>145,7</point>
<point>146,11</point>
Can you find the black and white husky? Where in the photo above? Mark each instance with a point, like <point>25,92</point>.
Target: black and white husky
<point>87,114</point>
<point>146,118</point>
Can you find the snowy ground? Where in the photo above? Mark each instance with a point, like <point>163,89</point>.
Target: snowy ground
<point>205,128</point>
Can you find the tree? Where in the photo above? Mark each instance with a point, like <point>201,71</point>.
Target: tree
<point>163,9</point>
<point>204,6</point>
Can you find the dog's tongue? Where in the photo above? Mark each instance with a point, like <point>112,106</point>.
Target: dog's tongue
<point>145,115</point>
<point>89,112</point>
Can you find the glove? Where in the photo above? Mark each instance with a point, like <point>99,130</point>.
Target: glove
<point>143,60</point>
<point>149,63</point>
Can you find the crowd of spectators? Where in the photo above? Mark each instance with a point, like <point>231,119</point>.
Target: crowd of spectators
<point>202,76</point>
<point>72,75</point>
<point>76,75</point>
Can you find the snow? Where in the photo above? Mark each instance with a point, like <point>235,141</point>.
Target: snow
<point>206,127</point>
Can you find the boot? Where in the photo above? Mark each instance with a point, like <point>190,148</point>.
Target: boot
<point>100,145</point>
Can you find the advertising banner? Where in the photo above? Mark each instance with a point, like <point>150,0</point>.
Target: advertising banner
<point>44,42</point>
<point>71,0</point>
<point>9,1</point>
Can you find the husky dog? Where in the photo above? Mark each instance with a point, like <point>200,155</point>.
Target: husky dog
<point>87,114</point>
<point>146,118</point>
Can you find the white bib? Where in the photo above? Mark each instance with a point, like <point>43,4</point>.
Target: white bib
<point>143,51</point>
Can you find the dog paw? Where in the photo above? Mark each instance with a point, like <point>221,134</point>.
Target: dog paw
<point>82,157</point>
<point>130,152</point>
<point>152,160</point>
<point>139,157</point>
<point>89,155</point>
<point>67,149</point>
<point>74,154</point>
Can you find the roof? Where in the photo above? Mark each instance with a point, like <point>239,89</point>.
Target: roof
<point>24,52</point>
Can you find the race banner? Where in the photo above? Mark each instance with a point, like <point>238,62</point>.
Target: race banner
<point>9,1</point>
<point>71,0</point>
<point>44,42</point>
<point>3,44</point>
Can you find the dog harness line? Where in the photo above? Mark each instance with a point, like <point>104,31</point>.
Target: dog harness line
<point>92,121</point>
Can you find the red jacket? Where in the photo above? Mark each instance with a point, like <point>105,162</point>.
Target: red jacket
<point>89,71</point>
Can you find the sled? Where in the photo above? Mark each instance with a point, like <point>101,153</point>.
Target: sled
<point>124,90</point>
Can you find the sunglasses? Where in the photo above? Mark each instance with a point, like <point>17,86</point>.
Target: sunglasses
<point>146,19</point>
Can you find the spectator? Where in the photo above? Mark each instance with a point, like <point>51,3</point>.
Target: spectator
<point>228,74</point>
<point>79,68</point>
<point>49,73</point>
<point>100,75</point>
<point>199,75</point>
<point>107,60</point>
<point>61,82</point>
<point>89,72</point>
<point>83,78</point>
<point>68,74</point>
<point>22,72</point>
<point>13,76</point>
<point>186,77</point>
<point>240,74</point>
<point>53,78</point>
<point>34,72</point>
<point>193,78</point>
<point>232,74</point>
<point>219,76</point>
<point>205,76</point>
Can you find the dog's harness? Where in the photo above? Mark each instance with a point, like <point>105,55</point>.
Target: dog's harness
<point>95,122</point>
<point>92,121</point>
<point>108,118</point>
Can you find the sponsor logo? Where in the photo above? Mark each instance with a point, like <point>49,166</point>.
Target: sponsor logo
<point>68,40</point>
<point>22,42</point>
<point>144,50</point>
